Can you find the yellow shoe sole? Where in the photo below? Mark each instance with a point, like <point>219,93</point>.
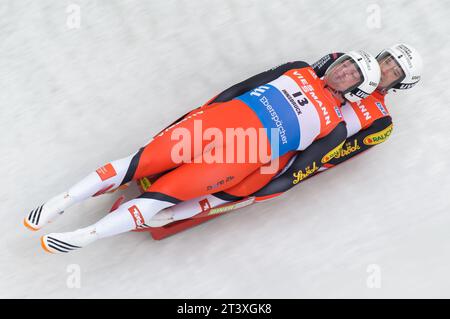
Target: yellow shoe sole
<point>27,225</point>
<point>44,246</point>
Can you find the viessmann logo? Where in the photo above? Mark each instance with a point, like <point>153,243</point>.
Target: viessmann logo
<point>313,95</point>
<point>378,137</point>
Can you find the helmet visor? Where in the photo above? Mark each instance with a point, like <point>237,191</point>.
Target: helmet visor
<point>391,71</point>
<point>344,75</point>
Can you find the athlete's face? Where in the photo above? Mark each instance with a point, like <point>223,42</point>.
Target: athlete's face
<point>390,72</point>
<point>343,76</point>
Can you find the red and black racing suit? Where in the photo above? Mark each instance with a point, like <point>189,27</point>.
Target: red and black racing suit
<point>370,124</point>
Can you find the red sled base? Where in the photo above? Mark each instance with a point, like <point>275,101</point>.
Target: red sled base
<point>175,227</point>
<point>159,233</point>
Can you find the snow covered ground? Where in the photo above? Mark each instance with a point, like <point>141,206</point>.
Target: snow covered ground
<point>72,99</point>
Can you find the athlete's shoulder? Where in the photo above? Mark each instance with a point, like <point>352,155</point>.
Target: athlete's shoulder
<point>378,99</point>
<point>292,65</point>
<point>376,102</point>
<point>370,109</point>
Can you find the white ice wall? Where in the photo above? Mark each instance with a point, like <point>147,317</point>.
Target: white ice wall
<point>73,99</point>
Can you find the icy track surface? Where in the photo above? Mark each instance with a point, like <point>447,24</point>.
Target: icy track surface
<point>74,99</point>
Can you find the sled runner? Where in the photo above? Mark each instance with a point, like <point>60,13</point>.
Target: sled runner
<point>206,211</point>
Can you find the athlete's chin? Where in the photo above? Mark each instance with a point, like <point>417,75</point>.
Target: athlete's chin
<point>335,85</point>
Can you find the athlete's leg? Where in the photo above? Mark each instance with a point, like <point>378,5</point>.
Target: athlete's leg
<point>247,186</point>
<point>256,180</point>
<point>183,183</point>
<point>156,157</point>
<point>106,178</point>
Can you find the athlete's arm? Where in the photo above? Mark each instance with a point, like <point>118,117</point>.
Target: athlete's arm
<point>247,85</point>
<point>376,133</point>
<point>324,63</point>
<point>306,163</point>
<point>319,67</point>
<point>257,80</point>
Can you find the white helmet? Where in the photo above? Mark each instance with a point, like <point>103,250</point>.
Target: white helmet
<point>369,71</point>
<point>409,61</point>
